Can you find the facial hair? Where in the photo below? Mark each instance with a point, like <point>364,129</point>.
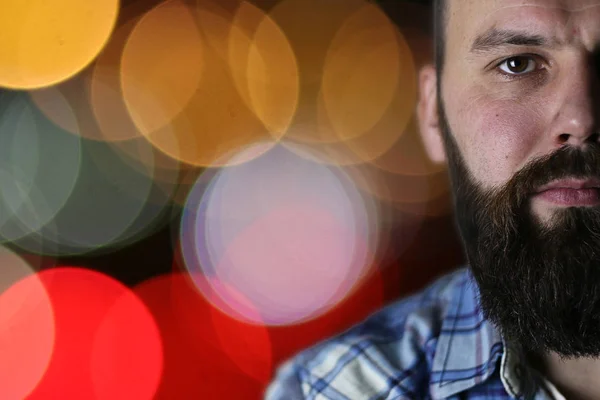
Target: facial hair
<point>539,283</point>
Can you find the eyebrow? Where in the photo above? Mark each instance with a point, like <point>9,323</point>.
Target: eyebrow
<point>495,38</point>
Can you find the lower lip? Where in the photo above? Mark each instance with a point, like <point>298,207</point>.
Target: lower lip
<point>572,197</point>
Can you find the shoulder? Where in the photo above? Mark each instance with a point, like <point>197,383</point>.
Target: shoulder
<point>389,352</point>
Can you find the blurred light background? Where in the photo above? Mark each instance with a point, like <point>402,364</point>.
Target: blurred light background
<point>192,191</point>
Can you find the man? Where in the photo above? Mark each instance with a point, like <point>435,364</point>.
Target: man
<point>512,106</point>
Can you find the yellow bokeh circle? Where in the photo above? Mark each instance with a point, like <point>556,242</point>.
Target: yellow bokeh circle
<point>47,42</point>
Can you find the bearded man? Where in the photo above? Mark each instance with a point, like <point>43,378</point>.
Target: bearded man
<point>511,105</point>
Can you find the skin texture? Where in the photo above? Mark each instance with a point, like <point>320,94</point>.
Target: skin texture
<point>502,121</point>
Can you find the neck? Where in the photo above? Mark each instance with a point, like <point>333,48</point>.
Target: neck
<point>575,378</point>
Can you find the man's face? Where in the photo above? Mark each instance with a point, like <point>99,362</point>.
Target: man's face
<point>518,115</point>
<point>519,82</point>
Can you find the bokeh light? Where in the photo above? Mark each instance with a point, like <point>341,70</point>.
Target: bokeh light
<point>126,357</point>
<point>56,107</point>
<point>46,42</point>
<point>264,66</point>
<point>249,174</point>
<point>162,64</point>
<point>203,353</point>
<point>210,120</point>
<point>368,296</point>
<point>292,236</point>
<point>362,72</point>
<point>107,343</point>
<point>358,83</point>
<point>311,47</point>
<point>67,105</point>
<point>107,207</point>
<point>105,91</point>
<point>250,351</point>
<point>27,329</point>
<point>39,166</point>
<point>405,178</point>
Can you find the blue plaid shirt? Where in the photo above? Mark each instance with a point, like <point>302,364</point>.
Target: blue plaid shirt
<point>435,344</point>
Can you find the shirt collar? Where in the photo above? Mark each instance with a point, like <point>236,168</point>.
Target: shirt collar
<point>469,347</point>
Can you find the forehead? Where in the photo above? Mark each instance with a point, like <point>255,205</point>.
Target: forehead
<point>563,20</point>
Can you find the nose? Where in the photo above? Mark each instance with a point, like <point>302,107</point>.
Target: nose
<point>576,120</point>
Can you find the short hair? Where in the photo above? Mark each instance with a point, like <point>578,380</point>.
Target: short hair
<point>439,33</point>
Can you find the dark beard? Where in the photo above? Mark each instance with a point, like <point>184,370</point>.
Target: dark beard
<point>539,283</point>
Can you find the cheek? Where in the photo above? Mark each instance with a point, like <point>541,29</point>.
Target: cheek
<point>498,139</point>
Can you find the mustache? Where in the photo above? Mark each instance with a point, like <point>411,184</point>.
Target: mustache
<point>568,162</point>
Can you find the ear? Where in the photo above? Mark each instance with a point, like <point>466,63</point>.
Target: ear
<point>427,113</point>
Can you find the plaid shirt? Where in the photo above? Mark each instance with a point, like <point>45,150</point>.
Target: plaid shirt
<point>435,344</point>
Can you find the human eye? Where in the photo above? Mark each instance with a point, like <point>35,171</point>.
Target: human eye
<point>519,65</point>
